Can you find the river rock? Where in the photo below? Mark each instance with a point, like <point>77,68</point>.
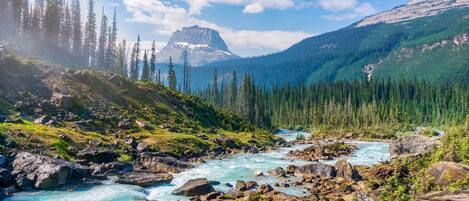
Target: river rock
<point>5,177</point>
<point>258,173</point>
<point>443,174</point>
<point>44,172</point>
<point>277,172</point>
<point>144,179</point>
<point>319,169</point>
<point>161,164</point>
<point>265,188</point>
<point>112,168</point>
<point>323,151</point>
<point>346,170</point>
<point>3,161</point>
<point>195,187</point>
<point>446,196</point>
<point>240,186</point>
<point>23,182</point>
<point>291,169</point>
<point>96,155</point>
<point>412,145</point>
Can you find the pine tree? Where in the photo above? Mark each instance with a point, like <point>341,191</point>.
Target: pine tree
<point>25,20</point>
<point>102,42</point>
<point>158,77</point>
<point>187,74</point>
<point>16,6</point>
<point>110,60</point>
<point>52,23</point>
<point>153,63</point>
<point>66,30</point>
<point>233,91</point>
<point>135,61</point>
<point>172,80</point>
<point>76,30</point>
<point>215,98</point>
<point>89,46</point>
<point>121,63</point>
<point>146,68</point>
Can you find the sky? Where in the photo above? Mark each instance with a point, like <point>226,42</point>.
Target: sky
<point>249,27</point>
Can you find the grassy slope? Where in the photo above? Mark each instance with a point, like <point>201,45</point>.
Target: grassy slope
<point>106,99</point>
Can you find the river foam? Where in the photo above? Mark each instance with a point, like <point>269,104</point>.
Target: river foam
<point>237,167</point>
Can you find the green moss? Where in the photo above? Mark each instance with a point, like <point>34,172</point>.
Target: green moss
<point>61,148</point>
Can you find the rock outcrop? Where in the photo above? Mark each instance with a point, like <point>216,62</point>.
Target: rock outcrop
<point>96,155</point>
<point>195,187</point>
<point>443,174</point>
<point>323,151</point>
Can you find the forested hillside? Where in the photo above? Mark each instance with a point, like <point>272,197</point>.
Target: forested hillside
<point>412,49</point>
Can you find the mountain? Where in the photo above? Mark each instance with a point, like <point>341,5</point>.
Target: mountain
<point>203,46</point>
<point>434,46</point>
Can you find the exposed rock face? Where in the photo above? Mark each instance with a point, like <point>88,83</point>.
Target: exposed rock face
<point>203,46</point>
<point>318,169</point>
<point>144,179</point>
<point>45,172</point>
<point>415,9</point>
<point>412,145</point>
<point>161,164</point>
<point>346,170</point>
<point>195,187</point>
<point>444,173</point>
<point>112,168</point>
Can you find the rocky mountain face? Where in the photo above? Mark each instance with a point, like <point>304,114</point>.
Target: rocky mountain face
<point>203,46</point>
<point>415,9</point>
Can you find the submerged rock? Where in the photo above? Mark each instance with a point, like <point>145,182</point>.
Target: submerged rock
<point>412,145</point>
<point>5,177</point>
<point>195,187</point>
<point>144,179</point>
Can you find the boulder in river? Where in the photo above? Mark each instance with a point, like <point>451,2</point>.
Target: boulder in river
<point>346,170</point>
<point>5,177</point>
<point>412,145</point>
<point>195,187</point>
<point>318,169</point>
<point>3,161</point>
<point>277,172</point>
<point>144,179</point>
<point>258,173</point>
<point>291,169</point>
<point>443,174</point>
<point>45,172</point>
<point>158,163</point>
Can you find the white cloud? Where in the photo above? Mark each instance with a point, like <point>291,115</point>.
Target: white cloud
<point>357,11</point>
<point>250,6</point>
<point>253,8</point>
<point>169,17</point>
<point>337,4</point>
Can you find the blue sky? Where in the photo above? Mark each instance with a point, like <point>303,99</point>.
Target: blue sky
<point>250,27</point>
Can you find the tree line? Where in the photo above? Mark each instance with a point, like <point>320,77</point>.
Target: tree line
<point>55,30</point>
<point>375,103</point>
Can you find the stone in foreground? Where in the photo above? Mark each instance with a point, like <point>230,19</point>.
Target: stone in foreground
<point>195,187</point>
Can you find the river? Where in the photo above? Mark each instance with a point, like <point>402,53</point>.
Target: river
<point>228,170</point>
